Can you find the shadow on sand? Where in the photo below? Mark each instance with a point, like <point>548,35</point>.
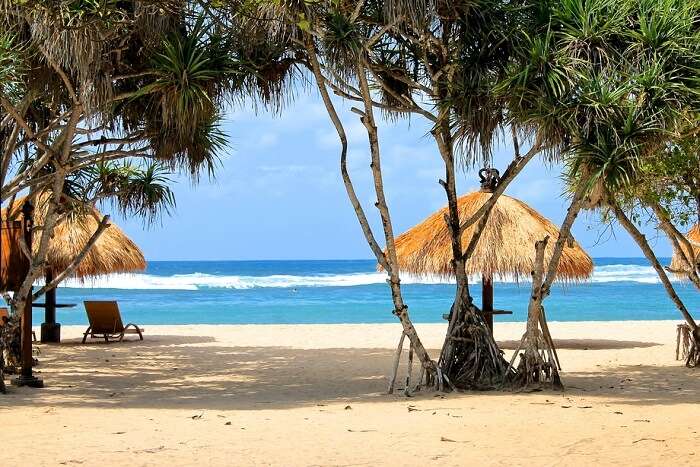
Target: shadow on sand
<point>198,373</point>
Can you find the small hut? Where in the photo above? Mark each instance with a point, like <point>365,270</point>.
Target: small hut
<point>113,252</point>
<point>506,249</point>
<point>678,266</point>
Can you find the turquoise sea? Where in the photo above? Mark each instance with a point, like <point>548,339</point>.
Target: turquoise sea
<point>243,292</point>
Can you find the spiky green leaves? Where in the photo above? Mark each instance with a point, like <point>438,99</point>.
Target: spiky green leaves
<point>136,189</point>
<point>193,71</point>
<point>12,67</point>
<point>609,82</point>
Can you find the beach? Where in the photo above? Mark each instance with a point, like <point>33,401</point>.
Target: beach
<point>315,394</point>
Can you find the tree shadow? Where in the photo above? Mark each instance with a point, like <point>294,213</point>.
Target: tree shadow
<point>199,373</point>
<point>586,344</point>
<point>193,372</point>
<point>639,384</point>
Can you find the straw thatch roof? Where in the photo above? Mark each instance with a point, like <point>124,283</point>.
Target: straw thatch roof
<point>112,252</point>
<point>679,266</point>
<point>506,249</point>
<point>13,263</point>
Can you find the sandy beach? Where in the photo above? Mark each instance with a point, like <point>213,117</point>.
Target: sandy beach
<point>315,395</point>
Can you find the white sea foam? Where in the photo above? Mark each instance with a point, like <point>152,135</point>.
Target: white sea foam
<point>196,281</point>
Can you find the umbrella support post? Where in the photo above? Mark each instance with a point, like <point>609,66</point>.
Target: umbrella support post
<point>487,301</point>
<point>50,329</point>
<point>26,378</point>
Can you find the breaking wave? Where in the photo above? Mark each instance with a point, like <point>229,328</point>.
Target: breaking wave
<point>197,281</point>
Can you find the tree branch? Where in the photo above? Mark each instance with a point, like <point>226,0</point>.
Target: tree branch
<point>101,227</point>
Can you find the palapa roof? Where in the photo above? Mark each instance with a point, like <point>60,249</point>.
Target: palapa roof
<point>13,263</point>
<point>678,266</point>
<point>113,251</point>
<point>506,249</point>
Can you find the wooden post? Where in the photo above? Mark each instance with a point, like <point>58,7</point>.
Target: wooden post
<point>50,330</point>
<point>26,377</point>
<point>487,300</point>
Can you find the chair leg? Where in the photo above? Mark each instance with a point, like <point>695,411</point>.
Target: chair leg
<point>86,334</point>
<point>138,330</point>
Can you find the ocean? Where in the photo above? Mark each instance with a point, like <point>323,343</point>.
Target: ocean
<point>351,291</point>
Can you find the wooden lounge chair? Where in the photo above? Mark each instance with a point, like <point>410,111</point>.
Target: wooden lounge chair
<point>106,321</point>
<point>5,315</point>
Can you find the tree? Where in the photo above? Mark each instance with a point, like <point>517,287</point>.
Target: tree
<point>84,84</point>
<point>612,83</point>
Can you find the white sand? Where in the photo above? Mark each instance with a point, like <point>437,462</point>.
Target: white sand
<point>277,395</point>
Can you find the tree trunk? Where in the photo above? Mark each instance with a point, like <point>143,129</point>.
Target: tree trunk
<point>400,308</point>
<point>685,252</point>
<point>542,283</point>
<point>470,357</point>
<point>694,354</point>
<point>538,364</point>
<point>388,263</point>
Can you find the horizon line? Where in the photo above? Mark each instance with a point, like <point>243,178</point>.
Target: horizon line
<point>332,259</point>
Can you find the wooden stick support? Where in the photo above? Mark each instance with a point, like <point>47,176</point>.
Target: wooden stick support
<point>397,357</point>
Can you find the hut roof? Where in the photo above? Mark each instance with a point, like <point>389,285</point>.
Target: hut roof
<point>112,252</point>
<point>13,263</point>
<point>506,249</point>
<point>678,266</point>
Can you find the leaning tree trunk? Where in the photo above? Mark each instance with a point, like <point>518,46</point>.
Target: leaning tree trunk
<point>390,259</point>
<point>539,364</point>
<point>388,262</point>
<point>470,357</point>
<point>681,245</point>
<point>693,358</point>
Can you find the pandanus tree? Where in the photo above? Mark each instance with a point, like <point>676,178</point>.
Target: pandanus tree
<point>668,184</point>
<point>441,61</point>
<point>284,37</point>
<point>86,84</point>
<point>613,83</point>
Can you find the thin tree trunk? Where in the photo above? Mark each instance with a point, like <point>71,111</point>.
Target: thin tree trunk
<point>685,251</point>
<point>400,308</point>
<point>542,283</point>
<point>564,236</point>
<point>389,263</point>
<point>651,256</point>
<point>538,362</point>
<point>38,260</point>
<point>470,357</point>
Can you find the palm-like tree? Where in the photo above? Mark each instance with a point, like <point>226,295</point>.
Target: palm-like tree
<point>86,83</point>
<point>613,84</point>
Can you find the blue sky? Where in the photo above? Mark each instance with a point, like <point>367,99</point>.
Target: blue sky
<point>279,194</point>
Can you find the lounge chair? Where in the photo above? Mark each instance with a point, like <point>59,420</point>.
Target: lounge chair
<point>106,321</point>
<point>5,315</point>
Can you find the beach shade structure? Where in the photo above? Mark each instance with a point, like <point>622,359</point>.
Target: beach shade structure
<point>113,252</point>
<point>14,265</point>
<point>680,267</point>
<point>506,249</point>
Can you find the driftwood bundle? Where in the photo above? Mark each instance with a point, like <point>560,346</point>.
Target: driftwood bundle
<point>471,358</point>
<point>687,346</point>
<point>10,345</point>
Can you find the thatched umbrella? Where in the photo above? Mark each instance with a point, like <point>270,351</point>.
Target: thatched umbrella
<point>506,249</point>
<point>113,252</point>
<point>678,266</point>
<point>13,263</point>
